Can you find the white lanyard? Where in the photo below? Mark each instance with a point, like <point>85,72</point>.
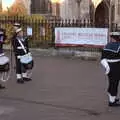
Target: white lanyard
<point>23,47</point>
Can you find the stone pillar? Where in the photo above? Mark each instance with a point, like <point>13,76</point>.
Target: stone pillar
<point>117,12</point>
<point>68,9</point>
<point>78,9</point>
<point>27,4</point>
<point>84,9</point>
<point>64,9</point>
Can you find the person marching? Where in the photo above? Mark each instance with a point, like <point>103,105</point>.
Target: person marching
<point>16,26</point>
<point>110,60</point>
<point>2,39</point>
<point>20,47</point>
<point>4,61</point>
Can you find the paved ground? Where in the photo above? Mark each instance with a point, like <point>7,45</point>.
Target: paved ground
<point>62,89</point>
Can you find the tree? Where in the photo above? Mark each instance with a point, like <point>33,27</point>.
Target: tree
<point>17,8</point>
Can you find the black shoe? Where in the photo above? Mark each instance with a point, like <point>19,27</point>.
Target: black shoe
<point>114,104</point>
<point>2,87</point>
<point>20,81</point>
<point>27,79</point>
<point>117,100</point>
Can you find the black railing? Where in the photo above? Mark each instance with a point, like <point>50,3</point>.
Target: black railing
<point>43,30</point>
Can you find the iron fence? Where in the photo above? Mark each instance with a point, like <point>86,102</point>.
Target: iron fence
<point>43,35</point>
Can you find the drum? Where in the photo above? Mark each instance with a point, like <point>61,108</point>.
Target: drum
<point>29,66</point>
<point>4,68</point>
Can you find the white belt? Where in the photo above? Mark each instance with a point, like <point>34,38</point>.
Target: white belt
<point>19,48</point>
<point>112,61</point>
<point>19,56</point>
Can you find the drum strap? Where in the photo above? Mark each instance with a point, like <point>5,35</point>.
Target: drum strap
<point>23,47</point>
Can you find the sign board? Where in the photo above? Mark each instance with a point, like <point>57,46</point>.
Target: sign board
<point>81,36</point>
<point>29,31</point>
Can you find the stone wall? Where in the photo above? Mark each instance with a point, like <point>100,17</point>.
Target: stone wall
<point>84,8</point>
<point>117,12</point>
<point>27,4</point>
<point>69,9</point>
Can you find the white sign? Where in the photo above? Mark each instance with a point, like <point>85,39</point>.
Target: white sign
<point>29,31</point>
<point>81,36</point>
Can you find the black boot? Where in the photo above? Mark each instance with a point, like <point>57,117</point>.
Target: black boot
<point>2,87</point>
<point>114,104</point>
<point>20,81</point>
<point>117,99</point>
<point>27,79</point>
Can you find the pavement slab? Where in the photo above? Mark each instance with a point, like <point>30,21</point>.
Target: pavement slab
<point>61,89</point>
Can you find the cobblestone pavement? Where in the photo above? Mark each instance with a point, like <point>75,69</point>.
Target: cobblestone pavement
<point>61,89</point>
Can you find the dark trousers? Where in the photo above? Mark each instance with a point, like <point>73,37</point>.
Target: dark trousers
<point>19,67</point>
<point>113,86</point>
<point>1,48</point>
<point>114,77</point>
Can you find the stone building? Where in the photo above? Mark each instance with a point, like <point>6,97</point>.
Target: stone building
<point>74,9</point>
<point>27,4</point>
<point>95,10</point>
<point>37,6</point>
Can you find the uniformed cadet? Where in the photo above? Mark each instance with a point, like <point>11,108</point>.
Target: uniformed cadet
<point>16,26</point>
<point>2,41</point>
<point>111,61</point>
<point>19,51</point>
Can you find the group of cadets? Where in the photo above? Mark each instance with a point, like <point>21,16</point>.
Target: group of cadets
<point>110,60</point>
<point>20,48</point>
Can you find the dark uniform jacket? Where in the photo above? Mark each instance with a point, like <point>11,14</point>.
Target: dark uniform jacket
<point>111,53</point>
<point>2,39</point>
<point>18,50</point>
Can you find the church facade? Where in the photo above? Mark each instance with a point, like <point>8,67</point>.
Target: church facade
<point>98,11</point>
<point>37,6</point>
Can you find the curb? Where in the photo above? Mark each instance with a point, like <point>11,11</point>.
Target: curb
<point>84,55</point>
<point>64,52</point>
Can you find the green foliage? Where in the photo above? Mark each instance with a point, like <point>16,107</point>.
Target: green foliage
<point>18,13</point>
<point>42,33</point>
<point>17,8</point>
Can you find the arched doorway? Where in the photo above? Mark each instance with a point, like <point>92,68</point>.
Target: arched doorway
<point>102,15</point>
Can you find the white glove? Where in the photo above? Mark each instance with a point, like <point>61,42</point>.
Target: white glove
<point>2,54</point>
<point>29,54</point>
<point>105,65</point>
<point>18,57</point>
